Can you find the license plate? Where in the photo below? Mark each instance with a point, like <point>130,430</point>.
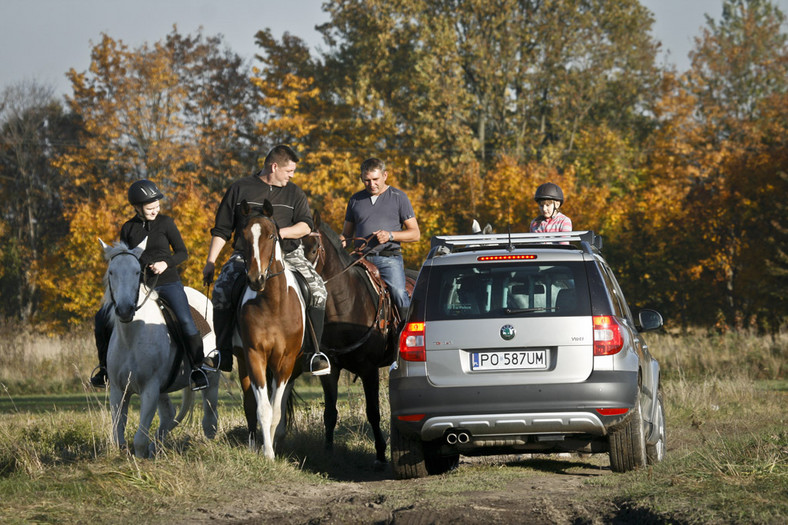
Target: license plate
<point>510,360</point>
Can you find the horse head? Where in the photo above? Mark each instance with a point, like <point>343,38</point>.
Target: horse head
<point>314,251</point>
<point>262,248</point>
<point>123,277</point>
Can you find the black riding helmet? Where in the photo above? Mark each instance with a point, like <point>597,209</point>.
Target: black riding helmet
<point>551,191</point>
<point>144,192</point>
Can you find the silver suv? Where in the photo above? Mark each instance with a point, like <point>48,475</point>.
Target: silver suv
<point>522,343</point>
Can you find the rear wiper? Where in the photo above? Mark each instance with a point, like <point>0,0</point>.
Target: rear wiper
<point>511,311</point>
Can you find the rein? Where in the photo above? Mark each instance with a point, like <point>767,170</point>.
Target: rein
<point>381,299</point>
<point>358,252</point>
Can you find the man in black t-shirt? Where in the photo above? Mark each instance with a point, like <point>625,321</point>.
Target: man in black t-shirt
<point>294,218</point>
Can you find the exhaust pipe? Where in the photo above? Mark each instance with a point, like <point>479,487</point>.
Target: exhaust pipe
<point>454,438</point>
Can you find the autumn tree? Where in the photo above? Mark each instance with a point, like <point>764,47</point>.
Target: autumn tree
<point>177,112</point>
<point>713,174</point>
<point>740,63</point>
<point>447,91</point>
<point>33,129</point>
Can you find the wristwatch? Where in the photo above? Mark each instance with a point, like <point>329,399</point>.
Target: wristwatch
<point>391,236</point>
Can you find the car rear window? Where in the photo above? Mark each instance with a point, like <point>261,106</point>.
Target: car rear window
<point>519,289</point>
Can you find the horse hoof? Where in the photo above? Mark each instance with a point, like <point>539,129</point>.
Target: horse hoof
<point>379,465</point>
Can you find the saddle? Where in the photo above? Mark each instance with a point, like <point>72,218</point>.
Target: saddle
<point>178,337</point>
<point>387,315</point>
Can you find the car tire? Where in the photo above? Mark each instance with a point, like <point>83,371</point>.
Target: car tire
<point>656,452</point>
<point>407,455</point>
<point>628,443</point>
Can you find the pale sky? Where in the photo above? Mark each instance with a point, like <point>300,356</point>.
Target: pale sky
<point>42,39</point>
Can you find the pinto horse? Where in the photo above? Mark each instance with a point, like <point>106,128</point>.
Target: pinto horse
<point>271,328</point>
<point>359,335</point>
<point>143,359</point>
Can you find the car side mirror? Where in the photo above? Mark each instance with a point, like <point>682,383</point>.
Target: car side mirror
<point>649,320</point>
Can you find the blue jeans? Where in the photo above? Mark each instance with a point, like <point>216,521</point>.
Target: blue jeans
<point>392,270</point>
<point>175,296</point>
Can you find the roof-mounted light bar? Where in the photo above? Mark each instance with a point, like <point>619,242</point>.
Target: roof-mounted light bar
<point>450,243</point>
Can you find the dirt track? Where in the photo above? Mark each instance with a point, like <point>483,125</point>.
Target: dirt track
<point>555,493</point>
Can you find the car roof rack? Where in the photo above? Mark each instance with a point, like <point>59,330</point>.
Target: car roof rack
<point>443,244</point>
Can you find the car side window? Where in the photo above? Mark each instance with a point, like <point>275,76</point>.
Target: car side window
<point>620,303</point>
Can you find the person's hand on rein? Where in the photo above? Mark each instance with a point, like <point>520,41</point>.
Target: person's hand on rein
<point>158,267</point>
<point>207,273</point>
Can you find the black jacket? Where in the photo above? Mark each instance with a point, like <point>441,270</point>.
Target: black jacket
<point>289,202</point>
<point>164,244</point>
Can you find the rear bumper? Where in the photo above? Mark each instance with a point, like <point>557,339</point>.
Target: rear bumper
<point>501,411</point>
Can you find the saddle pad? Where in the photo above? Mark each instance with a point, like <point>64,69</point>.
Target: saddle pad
<point>199,319</point>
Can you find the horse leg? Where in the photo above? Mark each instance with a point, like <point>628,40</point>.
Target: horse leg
<point>119,407</point>
<point>279,395</point>
<point>210,402</point>
<point>250,405</point>
<point>371,381</point>
<point>265,416</point>
<point>330,384</point>
<point>281,427</point>
<point>166,417</point>
<point>142,444</point>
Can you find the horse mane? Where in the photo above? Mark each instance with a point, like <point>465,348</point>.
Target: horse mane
<point>333,239</point>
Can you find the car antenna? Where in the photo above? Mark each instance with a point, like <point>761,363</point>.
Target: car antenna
<point>509,248</point>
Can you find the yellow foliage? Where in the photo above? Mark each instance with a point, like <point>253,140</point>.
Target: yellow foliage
<point>71,282</point>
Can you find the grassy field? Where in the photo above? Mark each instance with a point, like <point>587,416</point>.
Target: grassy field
<point>725,399</point>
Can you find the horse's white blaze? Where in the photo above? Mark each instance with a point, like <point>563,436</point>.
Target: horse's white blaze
<point>256,232</point>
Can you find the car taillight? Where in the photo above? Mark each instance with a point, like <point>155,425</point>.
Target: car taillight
<point>412,417</point>
<point>411,343</point>
<point>607,335</point>
<point>612,411</point>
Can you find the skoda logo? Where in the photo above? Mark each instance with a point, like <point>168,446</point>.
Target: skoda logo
<point>507,332</point>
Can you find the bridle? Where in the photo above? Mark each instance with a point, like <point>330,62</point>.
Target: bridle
<point>271,259</point>
<point>137,294</point>
<point>321,251</point>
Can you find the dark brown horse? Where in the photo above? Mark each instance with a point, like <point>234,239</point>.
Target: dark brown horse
<point>271,326</point>
<point>360,334</point>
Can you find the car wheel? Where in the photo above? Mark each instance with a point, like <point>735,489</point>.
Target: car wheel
<point>656,452</point>
<point>628,443</point>
<point>407,455</point>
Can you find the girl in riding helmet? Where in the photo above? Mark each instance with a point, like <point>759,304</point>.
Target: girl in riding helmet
<point>549,198</point>
<point>164,251</point>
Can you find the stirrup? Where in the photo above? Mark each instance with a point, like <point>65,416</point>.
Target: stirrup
<point>212,361</point>
<point>197,385</point>
<point>321,372</point>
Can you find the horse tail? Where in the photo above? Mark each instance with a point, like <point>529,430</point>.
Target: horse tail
<point>187,404</point>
